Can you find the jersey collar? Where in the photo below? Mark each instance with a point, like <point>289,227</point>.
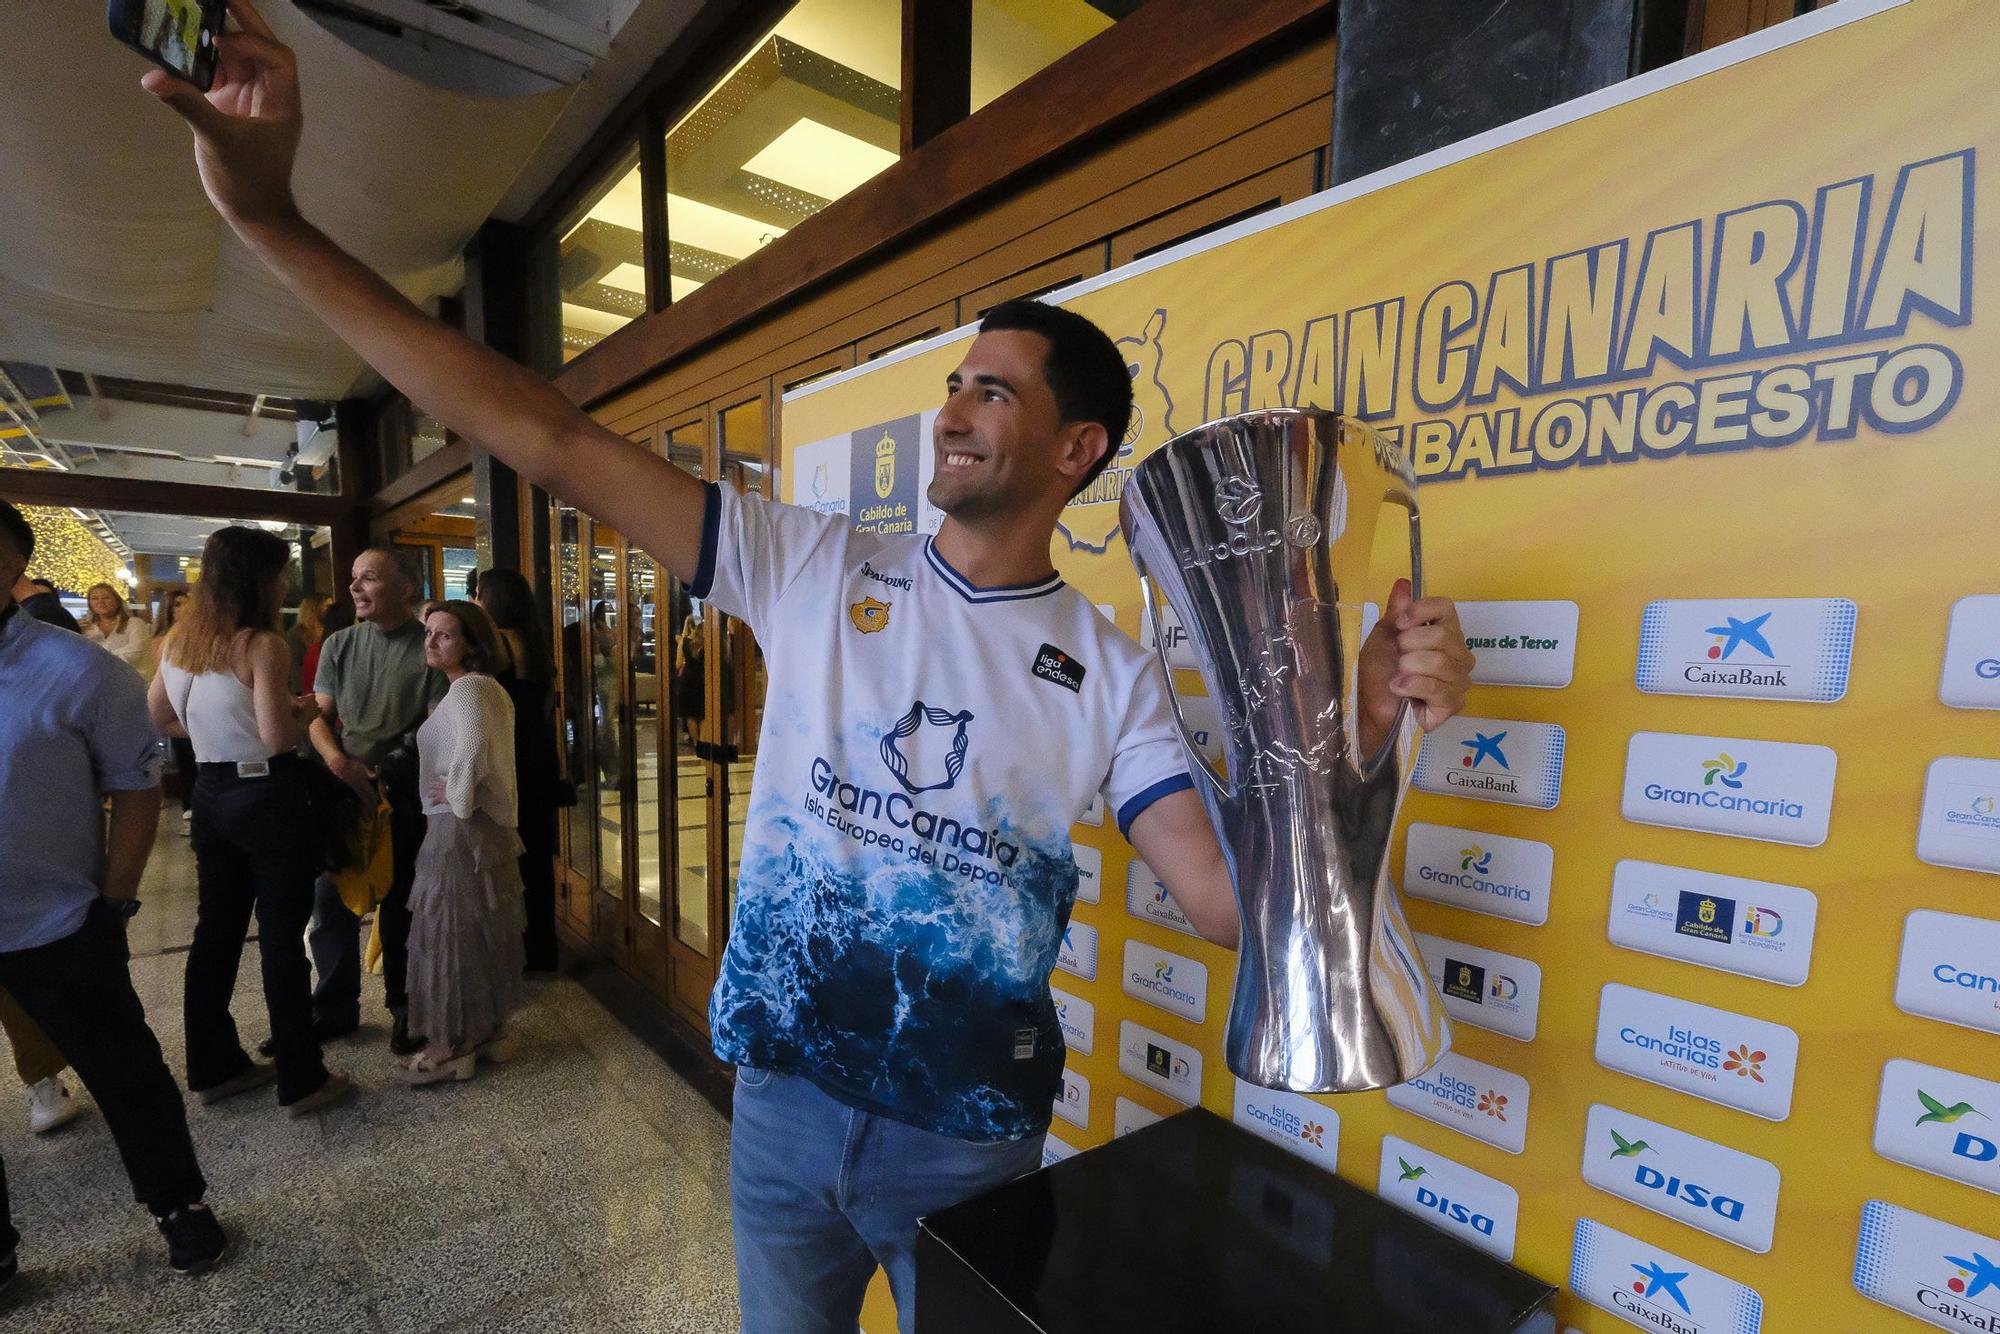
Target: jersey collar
<point>972,592</point>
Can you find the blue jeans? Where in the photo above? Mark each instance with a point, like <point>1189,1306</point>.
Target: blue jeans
<point>820,1193</point>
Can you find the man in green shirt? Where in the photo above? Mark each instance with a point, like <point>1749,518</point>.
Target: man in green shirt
<point>373,679</point>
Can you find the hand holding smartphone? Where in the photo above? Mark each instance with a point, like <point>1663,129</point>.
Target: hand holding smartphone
<point>177,35</point>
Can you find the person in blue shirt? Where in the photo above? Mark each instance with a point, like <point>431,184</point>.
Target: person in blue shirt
<point>74,732</point>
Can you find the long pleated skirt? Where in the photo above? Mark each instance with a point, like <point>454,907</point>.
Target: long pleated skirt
<point>465,931</point>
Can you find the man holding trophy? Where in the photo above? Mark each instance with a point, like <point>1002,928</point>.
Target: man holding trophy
<point>939,713</point>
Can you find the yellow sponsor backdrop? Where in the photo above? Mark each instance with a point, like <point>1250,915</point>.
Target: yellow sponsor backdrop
<point>1901,521</point>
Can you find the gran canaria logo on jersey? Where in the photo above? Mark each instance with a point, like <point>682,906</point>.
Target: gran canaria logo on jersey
<point>870,615</point>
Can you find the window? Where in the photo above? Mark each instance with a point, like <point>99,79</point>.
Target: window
<point>812,111</point>
<point>600,260</point>
<point>1012,39</point>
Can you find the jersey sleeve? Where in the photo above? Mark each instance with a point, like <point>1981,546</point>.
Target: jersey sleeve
<point>1148,762</point>
<point>752,549</point>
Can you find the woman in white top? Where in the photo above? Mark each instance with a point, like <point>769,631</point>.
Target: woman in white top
<point>466,916</point>
<point>224,683</point>
<point>112,625</point>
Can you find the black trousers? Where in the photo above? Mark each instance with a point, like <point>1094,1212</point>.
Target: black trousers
<point>79,989</point>
<point>538,881</point>
<point>255,851</point>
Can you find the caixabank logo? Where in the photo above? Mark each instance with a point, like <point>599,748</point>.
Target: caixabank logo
<point>1709,1186</point>
<point>1776,791</point>
<point>1449,1195</point>
<point>1940,1121</point>
<point>1943,1274</point>
<point>1775,648</point>
<point>1493,759</point>
<point>1657,1289</point>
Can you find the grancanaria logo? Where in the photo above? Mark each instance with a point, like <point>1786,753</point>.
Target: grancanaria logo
<point>1725,770</point>
<point>870,615</point>
<point>908,726</point>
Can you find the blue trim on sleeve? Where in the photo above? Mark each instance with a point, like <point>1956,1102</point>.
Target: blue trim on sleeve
<point>711,533</point>
<point>1136,806</point>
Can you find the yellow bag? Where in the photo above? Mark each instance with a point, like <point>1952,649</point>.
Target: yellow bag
<point>365,881</point>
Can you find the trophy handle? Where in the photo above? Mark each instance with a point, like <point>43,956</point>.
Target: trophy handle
<point>1196,761</point>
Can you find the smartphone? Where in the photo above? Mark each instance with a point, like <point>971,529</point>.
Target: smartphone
<point>177,35</point>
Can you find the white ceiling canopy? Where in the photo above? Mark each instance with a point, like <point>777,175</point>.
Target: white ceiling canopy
<point>112,260</point>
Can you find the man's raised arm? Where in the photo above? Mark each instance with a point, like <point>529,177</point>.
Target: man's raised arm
<point>246,132</point>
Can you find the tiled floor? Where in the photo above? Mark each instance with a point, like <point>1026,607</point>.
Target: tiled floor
<point>584,1186</point>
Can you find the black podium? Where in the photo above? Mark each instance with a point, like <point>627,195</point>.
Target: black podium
<point>1196,1225</point>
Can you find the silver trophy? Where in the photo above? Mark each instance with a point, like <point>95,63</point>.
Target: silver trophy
<point>1260,532</point>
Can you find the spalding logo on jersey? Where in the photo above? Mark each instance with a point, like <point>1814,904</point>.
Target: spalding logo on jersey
<point>925,750</point>
<point>869,615</point>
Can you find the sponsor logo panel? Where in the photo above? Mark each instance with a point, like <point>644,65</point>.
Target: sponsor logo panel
<point>1471,1097</point>
<point>1749,648</point>
<point>1717,1055</point>
<point>1752,927</point>
<point>1776,791</point>
<point>1078,952</point>
<point>1159,1062</point>
<point>1180,650</point>
<point>1950,969</point>
<point>883,476</point>
<point>1174,982</point>
<point>1128,1116</point>
<point>1971,675</point>
<point>1941,1122</point>
<point>1485,873</point>
<point>1961,820</point>
<point>1055,1148</point>
<point>1493,759</point>
<point>822,470</point>
<point>1093,814</point>
<point>1073,1103</point>
<point>1078,1019</point>
<point>1655,1289</point>
<point>1292,1121</point>
<point>1692,1180</point>
<point>1089,871</point>
<point>1520,643</point>
<point>1450,1196</point>
<point>1204,726</point>
<point>1940,1273</point>
<point>1147,898</point>
<point>1500,992</point>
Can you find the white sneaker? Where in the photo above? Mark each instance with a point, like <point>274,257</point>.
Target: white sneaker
<point>50,1105</point>
<point>187,822</point>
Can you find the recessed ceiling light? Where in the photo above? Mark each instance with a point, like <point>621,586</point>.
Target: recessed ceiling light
<point>819,159</point>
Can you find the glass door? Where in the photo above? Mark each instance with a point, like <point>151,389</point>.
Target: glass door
<point>573,712</point>
<point>739,675</point>
<point>646,932</point>
<point>685,741</point>
<point>610,774</point>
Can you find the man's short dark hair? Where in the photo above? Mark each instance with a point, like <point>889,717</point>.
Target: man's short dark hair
<point>14,528</point>
<point>1084,368</point>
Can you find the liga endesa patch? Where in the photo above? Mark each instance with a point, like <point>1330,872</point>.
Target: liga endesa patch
<point>1052,664</point>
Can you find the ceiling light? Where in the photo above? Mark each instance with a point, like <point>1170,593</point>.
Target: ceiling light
<point>819,159</point>
<point>465,500</point>
<point>707,227</point>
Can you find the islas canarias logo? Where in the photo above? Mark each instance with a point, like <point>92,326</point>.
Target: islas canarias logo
<point>1090,520</point>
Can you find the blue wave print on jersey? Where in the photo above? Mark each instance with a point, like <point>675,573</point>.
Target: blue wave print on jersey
<point>897,986</point>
